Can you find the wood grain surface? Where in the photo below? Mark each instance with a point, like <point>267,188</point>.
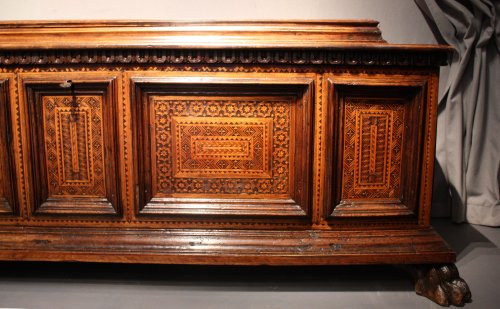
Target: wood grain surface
<point>283,143</point>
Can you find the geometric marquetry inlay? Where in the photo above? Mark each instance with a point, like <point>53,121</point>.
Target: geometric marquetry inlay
<point>222,145</point>
<point>374,131</point>
<point>73,138</point>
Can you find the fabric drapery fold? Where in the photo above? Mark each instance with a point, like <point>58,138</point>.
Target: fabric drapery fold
<point>468,138</point>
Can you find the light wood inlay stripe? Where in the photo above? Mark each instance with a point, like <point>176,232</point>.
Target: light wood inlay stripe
<point>373,149</point>
<point>75,161</point>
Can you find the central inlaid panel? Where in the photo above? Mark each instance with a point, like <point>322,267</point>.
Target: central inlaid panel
<point>220,145</point>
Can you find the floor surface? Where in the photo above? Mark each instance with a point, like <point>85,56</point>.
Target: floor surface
<point>82,285</point>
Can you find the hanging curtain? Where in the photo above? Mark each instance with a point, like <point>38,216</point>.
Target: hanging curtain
<point>468,139</point>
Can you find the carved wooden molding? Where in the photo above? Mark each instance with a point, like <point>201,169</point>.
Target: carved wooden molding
<point>267,42</point>
<point>223,247</point>
<point>344,56</point>
<point>198,34</point>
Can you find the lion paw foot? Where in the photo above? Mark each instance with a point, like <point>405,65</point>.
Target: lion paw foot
<point>442,284</point>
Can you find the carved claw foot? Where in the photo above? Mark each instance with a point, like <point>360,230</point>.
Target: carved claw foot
<point>441,284</point>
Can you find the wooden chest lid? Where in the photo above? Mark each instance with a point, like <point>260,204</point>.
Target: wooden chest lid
<point>327,34</point>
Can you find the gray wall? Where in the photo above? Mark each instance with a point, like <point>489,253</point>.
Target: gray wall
<point>400,20</point>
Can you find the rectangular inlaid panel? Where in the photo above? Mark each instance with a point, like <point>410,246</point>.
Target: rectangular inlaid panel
<point>373,142</point>
<point>73,138</point>
<point>221,145</point>
<point>72,148</point>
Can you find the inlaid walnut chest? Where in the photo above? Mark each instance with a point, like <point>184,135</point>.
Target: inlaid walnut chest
<point>279,143</point>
